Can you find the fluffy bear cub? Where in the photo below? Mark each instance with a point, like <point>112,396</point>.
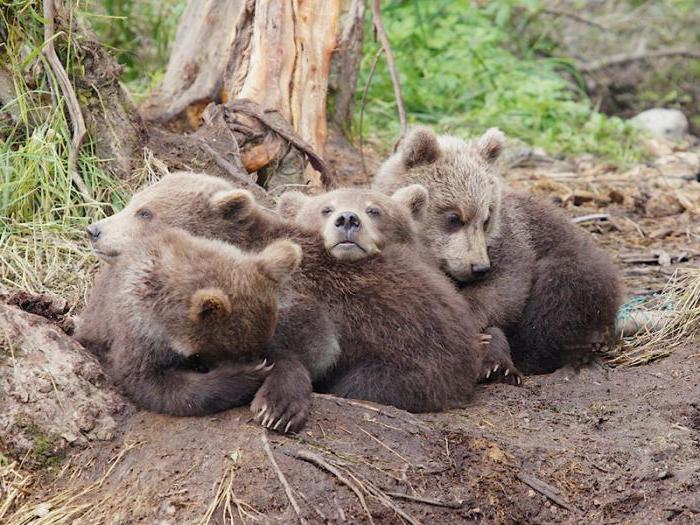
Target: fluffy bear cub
<point>404,334</point>
<point>172,300</point>
<point>519,260</point>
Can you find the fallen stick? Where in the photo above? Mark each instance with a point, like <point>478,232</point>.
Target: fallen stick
<point>283,480</point>
<point>590,218</point>
<point>427,501</point>
<point>624,58</point>
<point>389,412</point>
<point>76,116</point>
<point>317,460</point>
<point>546,490</point>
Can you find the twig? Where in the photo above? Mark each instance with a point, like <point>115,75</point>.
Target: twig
<point>76,116</point>
<point>362,107</point>
<point>317,460</point>
<point>427,501</point>
<point>384,39</point>
<point>385,446</point>
<point>389,412</point>
<point>546,490</point>
<point>283,480</point>
<point>625,58</point>
<point>591,218</point>
<point>574,16</point>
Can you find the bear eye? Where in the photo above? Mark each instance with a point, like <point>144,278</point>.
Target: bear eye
<point>326,210</point>
<point>454,221</point>
<point>144,214</point>
<point>373,212</point>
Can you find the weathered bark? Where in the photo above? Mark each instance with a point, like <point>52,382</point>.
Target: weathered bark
<point>345,64</point>
<point>273,53</point>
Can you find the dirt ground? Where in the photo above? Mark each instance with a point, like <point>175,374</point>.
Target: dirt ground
<point>604,445</point>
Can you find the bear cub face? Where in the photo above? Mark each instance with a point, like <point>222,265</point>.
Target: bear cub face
<point>357,223</point>
<point>203,297</point>
<point>463,217</point>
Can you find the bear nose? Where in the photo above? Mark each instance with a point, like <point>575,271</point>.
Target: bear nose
<point>93,232</point>
<point>479,270</point>
<point>348,221</point>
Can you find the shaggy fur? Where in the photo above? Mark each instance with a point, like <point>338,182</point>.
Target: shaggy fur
<point>170,306</point>
<point>406,338</point>
<point>519,261</point>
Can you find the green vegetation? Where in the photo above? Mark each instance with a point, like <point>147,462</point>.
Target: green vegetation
<point>466,66</point>
<point>42,216</point>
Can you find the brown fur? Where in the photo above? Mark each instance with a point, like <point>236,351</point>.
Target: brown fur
<point>406,337</point>
<point>549,287</point>
<point>172,304</point>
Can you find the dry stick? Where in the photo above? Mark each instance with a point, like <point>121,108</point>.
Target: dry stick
<point>384,39</point>
<point>624,58</point>
<point>427,501</point>
<point>317,460</point>
<point>283,480</point>
<point>362,107</point>
<point>76,116</point>
<point>590,218</point>
<point>576,17</point>
<point>390,412</point>
<point>546,490</point>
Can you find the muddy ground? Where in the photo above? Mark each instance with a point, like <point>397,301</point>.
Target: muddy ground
<point>605,445</point>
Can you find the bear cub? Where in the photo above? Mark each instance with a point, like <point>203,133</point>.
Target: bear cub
<point>520,261</point>
<point>181,300</point>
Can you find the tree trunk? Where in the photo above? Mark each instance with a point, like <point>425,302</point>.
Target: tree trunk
<point>274,55</point>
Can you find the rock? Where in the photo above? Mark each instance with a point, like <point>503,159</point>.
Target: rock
<point>46,404</point>
<point>682,165</point>
<point>663,205</point>
<point>663,123</point>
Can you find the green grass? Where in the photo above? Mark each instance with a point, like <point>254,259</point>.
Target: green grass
<point>42,215</point>
<point>466,66</point>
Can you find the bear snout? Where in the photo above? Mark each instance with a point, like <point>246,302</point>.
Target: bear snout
<point>93,232</point>
<point>348,222</point>
<point>480,270</point>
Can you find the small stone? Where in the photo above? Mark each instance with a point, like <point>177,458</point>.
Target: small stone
<point>530,493</point>
<point>662,123</point>
<point>662,205</point>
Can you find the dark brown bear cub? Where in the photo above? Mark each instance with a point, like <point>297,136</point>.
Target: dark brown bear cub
<point>406,338</point>
<point>174,298</point>
<point>519,260</point>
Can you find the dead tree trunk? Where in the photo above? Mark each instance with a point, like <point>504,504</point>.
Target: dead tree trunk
<point>256,71</point>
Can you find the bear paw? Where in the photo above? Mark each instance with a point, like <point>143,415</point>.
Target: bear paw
<point>497,365</point>
<point>282,403</point>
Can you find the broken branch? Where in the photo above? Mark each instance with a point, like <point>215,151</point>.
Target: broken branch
<point>546,490</point>
<point>626,58</point>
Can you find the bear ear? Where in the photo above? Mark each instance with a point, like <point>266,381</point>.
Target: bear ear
<point>414,198</point>
<point>419,147</point>
<point>491,144</point>
<point>280,259</point>
<point>233,204</point>
<point>207,304</point>
<point>290,203</point>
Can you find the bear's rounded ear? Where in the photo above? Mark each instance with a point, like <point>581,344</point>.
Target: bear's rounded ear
<point>279,260</point>
<point>207,304</point>
<point>414,198</point>
<point>491,144</point>
<point>419,147</point>
<point>233,204</point>
<point>290,203</point>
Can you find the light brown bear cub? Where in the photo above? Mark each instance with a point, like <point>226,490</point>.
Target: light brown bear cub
<point>518,260</point>
<point>354,226</point>
<point>405,336</point>
<point>173,300</point>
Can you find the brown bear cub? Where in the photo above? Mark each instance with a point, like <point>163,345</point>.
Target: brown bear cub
<point>404,334</point>
<point>174,300</point>
<point>518,260</point>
